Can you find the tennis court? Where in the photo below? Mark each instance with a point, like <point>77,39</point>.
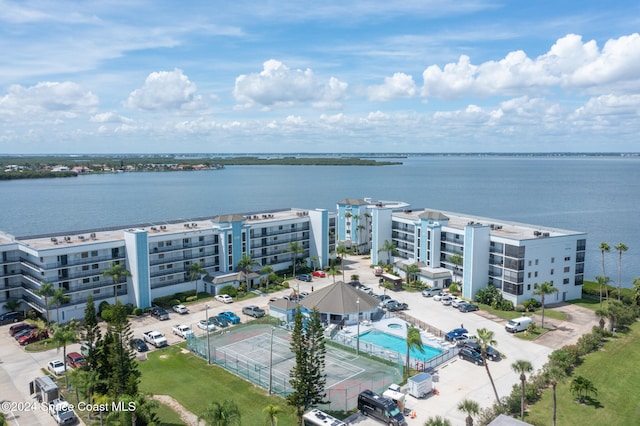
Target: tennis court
<point>262,354</point>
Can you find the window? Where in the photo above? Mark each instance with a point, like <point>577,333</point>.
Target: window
<point>96,291</point>
<point>96,279</point>
<point>161,244</point>
<point>94,253</point>
<point>161,256</point>
<point>536,262</point>
<point>552,272</point>
<point>528,287</point>
<point>201,239</point>
<point>529,275</point>
<point>168,243</point>
<point>529,263</point>
<point>535,274</point>
<point>565,281</point>
<point>95,266</point>
<point>553,259</point>
<point>567,259</point>
<point>85,267</point>
<point>567,268</point>
<point>84,254</point>
<point>85,281</point>
<point>185,241</point>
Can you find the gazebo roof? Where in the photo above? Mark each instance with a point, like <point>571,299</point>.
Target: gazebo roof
<point>340,298</point>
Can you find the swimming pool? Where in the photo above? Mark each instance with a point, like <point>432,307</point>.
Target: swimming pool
<point>398,345</point>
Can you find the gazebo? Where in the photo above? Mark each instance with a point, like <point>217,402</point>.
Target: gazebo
<point>341,303</point>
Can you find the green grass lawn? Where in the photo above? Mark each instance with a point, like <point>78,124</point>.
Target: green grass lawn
<point>509,315</point>
<point>194,384</point>
<point>615,372</point>
<point>167,416</point>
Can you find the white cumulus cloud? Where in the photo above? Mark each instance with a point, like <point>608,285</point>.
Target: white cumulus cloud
<point>278,85</point>
<point>166,90</point>
<point>400,85</point>
<point>64,98</point>
<point>109,117</point>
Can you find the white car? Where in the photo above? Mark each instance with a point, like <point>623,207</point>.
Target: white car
<point>56,367</point>
<point>206,325</point>
<point>224,298</point>
<point>438,297</point>
<point>446,300</point>
<point>456,302</point>
<point>180,309</point>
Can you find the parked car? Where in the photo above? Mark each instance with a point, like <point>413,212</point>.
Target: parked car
<point>17,328</point>
<point>468,307</point>
<point>492,354</point>
<point>438,297</point>
<point>456,301</point>
<point>183,331</point>
<point>304,277</point>
<point>206,325</point>
<point>24,332</point>
<point>139,345</point>
<point>365,289</point>
<point>9,317</point>
<point>430,292</point>
<point>180,309</point>
<point>219,321</point>
<point>33,336</point>
<point>303,294</point>
<point>397,306</point>
<point>56,367</point>
<point>456,332</point>
<point>75,360</point>
<point>224,298</point>
<point>319,274</point>
<point>446,300</point>
<point>389,302</point>
<point>384,297</point>
<point>230,317</point>
<point>253,311</point>
<point>159,313</point>
<point>469,354</point>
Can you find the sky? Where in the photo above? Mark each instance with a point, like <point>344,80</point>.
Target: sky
<point>282,76</point>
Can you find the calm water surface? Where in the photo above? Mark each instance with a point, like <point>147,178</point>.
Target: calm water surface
<point>600,196</point>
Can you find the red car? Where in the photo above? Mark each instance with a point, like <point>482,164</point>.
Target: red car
<point>75,360</point>
<point>33,336</point>
<point>17,328</point>
<point>319,274</point>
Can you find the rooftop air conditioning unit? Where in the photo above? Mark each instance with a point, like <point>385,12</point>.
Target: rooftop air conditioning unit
<point>93,235</point>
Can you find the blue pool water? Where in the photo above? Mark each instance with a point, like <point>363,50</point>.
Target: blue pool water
<point>398,345</point>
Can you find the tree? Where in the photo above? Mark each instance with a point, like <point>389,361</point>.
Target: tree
<point>582,387</point>
<point>603,282</point>
<point>91,331</point>
<point>554,375</point>
<point>267,270</point>
<point>470,408</point>
<point>437,421</point>
<point>307,377</point>
<point>602,314</point>
<point>542,290</point>
<point>604,248</point>
<point>62,336</point>
<point>636,290</point>
<point>143,414</point>
<point>294,248</point>
<point>389,247</point>
<point>522,367</point>
<point>414,341</point>
<point>59,298</point>
<point>225,414</point>
<point>457,260</point>
<point>620,247</point>
<point>342,251</point>
<point>485,338</point>
<point>116,272</point>
<point>196,271</point>
<point>12,305</point>
<point>411,271</point>
<point>333,271</point>
<point>46,291</point>
<point>245,264</point>
<point>271,414</point>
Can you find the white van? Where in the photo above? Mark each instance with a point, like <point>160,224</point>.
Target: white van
<point>518,324</point>
<point>429,292</point>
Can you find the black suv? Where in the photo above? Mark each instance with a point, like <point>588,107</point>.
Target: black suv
<point>492,354</point>
<point>9,317</point>
<point>469,354</point>
<point>159,313</point>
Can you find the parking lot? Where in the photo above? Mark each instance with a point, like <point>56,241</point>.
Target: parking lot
<point>456,380</point>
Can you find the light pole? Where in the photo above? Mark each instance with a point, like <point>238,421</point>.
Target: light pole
<point>207,331</point>
<point>271,361</point>
<point>358,329</point>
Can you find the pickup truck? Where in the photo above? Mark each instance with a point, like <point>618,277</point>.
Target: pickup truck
<point>253,311</point>
<point>183,331</point>
<point>155,338</point>
<point>62,412</point>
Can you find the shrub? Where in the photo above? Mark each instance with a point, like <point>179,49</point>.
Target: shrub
<point>285,284</point>
<point>137,312</point>
<point>173,302</point>
<point>531,305</point>
<point>520,308</point>
<point>505,305</point>
<point>230,290</point>
<point>102,306</point>
<point>191,298</point>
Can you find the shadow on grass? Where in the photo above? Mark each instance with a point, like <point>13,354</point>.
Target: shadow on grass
<point>587,400</point>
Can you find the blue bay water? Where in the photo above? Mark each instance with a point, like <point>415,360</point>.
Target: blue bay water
<point>597,195</point>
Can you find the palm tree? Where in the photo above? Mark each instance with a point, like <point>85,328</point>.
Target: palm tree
<point>521,366</point>
<point>62,336</point>
<point>388,247</point>
<point>603,282</point>
<point>267,270</point>
<point>636,290</point>
<point>333,271</point>
<point>412,271</point>
<point>457,260</point>
<point>225,414</point>
<point>116,272</point>
<point>437,421</point>
<point>554,375</point>
<point>414,341</point>
<point>59,298</point>
<point>196,271</point>
<point>295,248</point>
<point>12,305</point>
<point>342,251</point>
<point>601,313</point>
<point>46,291</point>
<point>582,387</point>
<point>470,408</point>
<point>604,248</point>
<point>542,290</point>
<point>620,247</point>
<point>271,414</point>
<point>485,338</point>
<point>245,264</point>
